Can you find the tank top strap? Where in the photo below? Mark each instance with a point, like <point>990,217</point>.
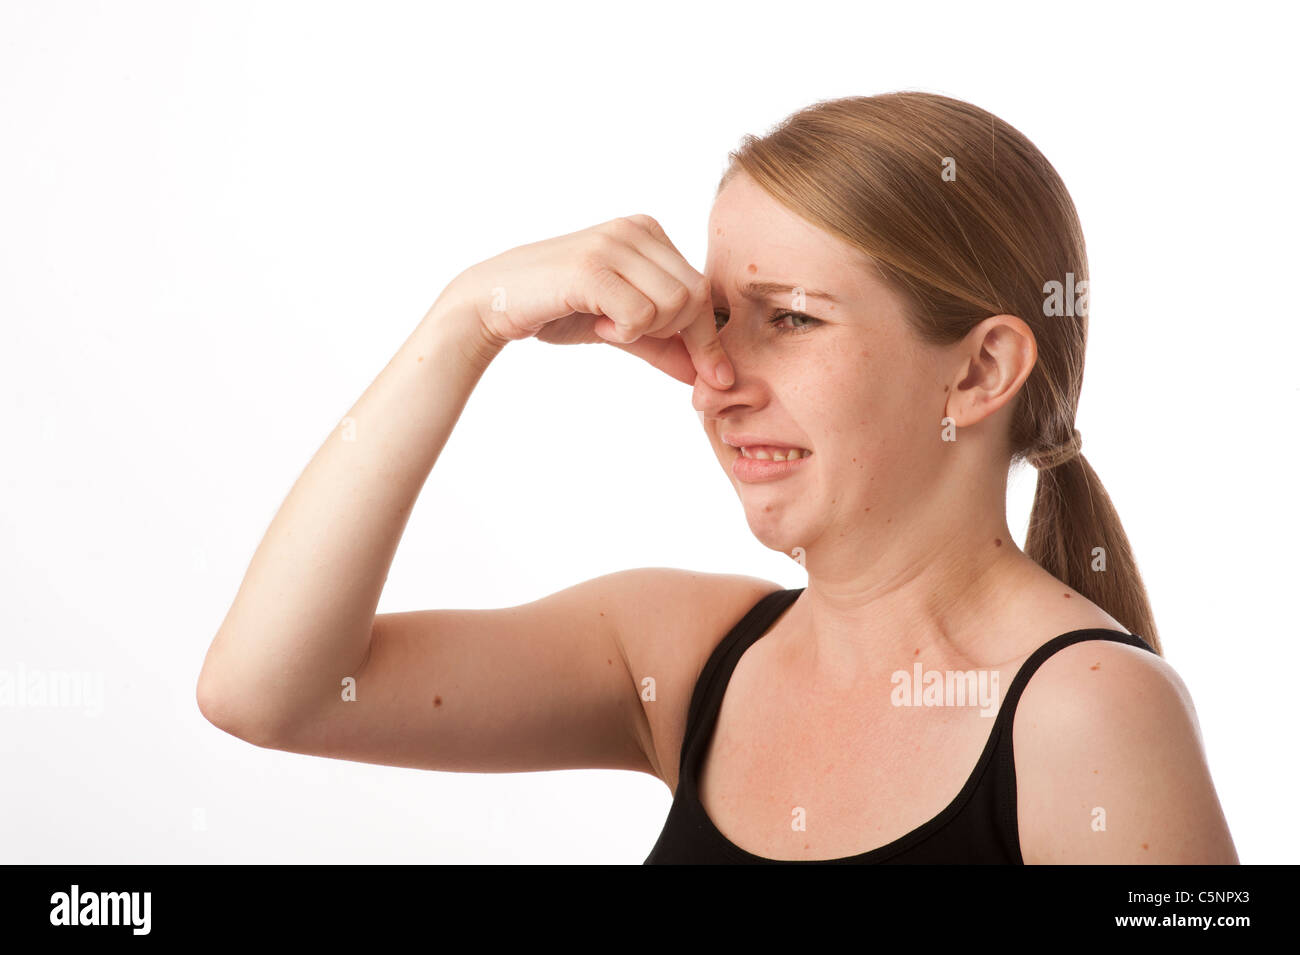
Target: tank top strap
<point>1040,656</point>
<point>994,781</point>
<point>706,698</point>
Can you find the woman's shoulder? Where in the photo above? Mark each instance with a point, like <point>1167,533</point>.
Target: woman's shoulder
<point>1110,763</point>
<point>1096,682</point>
<point>1077,672</point>
<point>1099,672</point>
<point>671,610</point>
<point>670,622</point>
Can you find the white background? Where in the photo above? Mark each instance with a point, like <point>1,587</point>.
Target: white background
<point>219,221</point>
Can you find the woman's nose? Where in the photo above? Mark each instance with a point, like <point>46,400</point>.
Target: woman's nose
<point>711,402</point>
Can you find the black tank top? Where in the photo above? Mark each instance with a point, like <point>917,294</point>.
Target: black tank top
<point>979,826</point>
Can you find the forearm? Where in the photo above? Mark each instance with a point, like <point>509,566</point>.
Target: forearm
<point>302,618</point>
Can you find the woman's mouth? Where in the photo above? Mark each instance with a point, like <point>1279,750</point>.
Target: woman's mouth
<point>774,453</point>
<point>754,464</point>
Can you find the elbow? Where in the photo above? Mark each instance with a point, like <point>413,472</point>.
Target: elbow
<point>222,710</point>
<point>215,707</point>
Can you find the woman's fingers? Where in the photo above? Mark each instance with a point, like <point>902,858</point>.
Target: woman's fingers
<point>669,355</point>
<point>620,268</point>
<point>622,282</point>
<point>705,348</point>
<point>693,318</point>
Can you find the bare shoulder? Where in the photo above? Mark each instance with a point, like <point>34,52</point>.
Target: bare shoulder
<point>658,602</point>
<point>1110,763</point>
<point>669,622</point>
<point>1103,682</point>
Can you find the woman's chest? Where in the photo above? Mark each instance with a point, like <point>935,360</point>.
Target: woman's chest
<point>788,775</point>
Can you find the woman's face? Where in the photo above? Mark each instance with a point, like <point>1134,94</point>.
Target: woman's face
<point>849,383</point>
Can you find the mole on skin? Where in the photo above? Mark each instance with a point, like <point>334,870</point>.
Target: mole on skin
<point>437,701</point>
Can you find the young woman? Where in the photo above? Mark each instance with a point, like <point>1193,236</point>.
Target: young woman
<point>893,312</point>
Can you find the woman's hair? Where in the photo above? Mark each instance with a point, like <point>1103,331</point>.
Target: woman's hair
<point>965,219</point>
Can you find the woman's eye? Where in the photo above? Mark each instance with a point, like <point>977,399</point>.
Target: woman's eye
<point>797,316</point>
<point>802,322</point>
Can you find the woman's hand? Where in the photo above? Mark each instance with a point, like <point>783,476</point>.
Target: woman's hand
<point>622,282</point>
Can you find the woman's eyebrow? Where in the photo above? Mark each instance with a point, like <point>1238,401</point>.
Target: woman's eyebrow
<point>769,290</point>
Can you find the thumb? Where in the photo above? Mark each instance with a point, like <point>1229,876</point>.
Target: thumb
<point>706,354</point>
<point>669,355</point>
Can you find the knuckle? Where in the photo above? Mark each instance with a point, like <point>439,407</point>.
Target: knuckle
<point>645,313</point>
<point>645,222</point>
<point>623,228</point>
<point>604,279</point>
<point>710,346</point>
<point>597,251</point>
<point>701,290</point>
<point>679,298</point>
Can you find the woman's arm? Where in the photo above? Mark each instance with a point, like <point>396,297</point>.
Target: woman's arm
<point>1110,766</point>
<point>302,617</point>
<point>542,685</point>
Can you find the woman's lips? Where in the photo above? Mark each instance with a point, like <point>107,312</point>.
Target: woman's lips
<point>756,470</point>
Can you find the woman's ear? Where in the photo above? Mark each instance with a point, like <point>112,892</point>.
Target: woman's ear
<point>990,365</point>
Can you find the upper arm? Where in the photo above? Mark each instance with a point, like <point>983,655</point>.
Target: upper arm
<point>674,622</point>
<point>1110,766</point>
<point>540,686</point>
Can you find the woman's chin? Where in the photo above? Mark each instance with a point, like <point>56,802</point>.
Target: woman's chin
<point>776,535</point>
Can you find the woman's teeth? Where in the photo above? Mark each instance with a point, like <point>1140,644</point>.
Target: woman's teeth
<point>775,454</point>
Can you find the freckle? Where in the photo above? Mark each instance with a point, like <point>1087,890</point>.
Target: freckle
<point>945,387</point>
<point>718,231</point>
<point>1145,846</point>
<point>602,613</point>
<point>997,542</point>
<point>916,652</point>
<point>805,845</point>
<point>1096,771</point>
<point>889,520</point>
<point>1066,596</point>
<point>421,358</point>
<point>1095,666</point>
<point>752,268</point>
<point>437,701</point>
<point>609,661</point>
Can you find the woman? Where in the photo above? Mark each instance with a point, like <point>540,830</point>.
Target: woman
<point>893,311</point>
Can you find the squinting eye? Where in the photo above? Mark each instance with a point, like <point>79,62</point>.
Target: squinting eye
<point>780,315</point>
<point>784,314</point>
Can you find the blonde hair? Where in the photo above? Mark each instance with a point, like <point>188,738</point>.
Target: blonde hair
<point>983,239</point>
